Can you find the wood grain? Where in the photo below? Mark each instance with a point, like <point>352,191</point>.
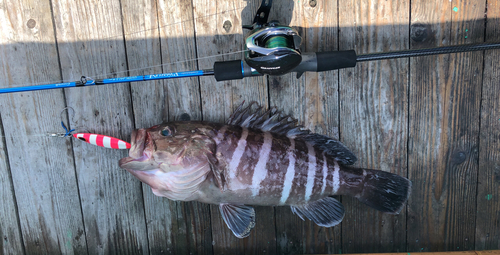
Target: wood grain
<point>374,114</point>
<point>445,94</point>
<point>435,119</point>
<point>219,99</point>
<point>90,41</point>
<point>42,167</point>
<point>488,195</point>
<point>313,100</point>
<point>10,229</point>
<point>175,227</point>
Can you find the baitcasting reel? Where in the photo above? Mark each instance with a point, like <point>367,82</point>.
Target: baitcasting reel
<point>271,48</point>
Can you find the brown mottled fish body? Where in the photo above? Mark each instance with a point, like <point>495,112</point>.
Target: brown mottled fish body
<point>264,168</point>
<point>257,158</point>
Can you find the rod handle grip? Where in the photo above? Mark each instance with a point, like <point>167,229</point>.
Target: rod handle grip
<point>333,60</point>
<point>228,70</point>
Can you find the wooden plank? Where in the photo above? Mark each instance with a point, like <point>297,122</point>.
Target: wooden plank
<point>150,105</point>
<point>170,225</point>
<point>494,252</point>
<point>445,95</point>
<point>426,253</point>
<point>219,99</point>
<point>42,168</point>
<point>10,230</point>
<point>488,196</point>
<point>90,42</point>
<point>313,100</point>
<point>191,223</point>
<point>374,114</point>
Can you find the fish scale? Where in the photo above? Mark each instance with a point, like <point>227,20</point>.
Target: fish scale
<point>258,158</point>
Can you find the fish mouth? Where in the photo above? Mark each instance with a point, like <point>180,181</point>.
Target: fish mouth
<point>141,149</point>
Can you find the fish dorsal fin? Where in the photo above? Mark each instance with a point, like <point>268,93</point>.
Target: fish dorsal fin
<point>266,120</point>
<point>332,148</point>
<point>239,218</point>
<point>273,121</point>
<point>326,212</point>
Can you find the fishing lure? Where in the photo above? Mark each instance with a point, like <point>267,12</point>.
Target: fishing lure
<point>94,139</point>
<point>102,141</point>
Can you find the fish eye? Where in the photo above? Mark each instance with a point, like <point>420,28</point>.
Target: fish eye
<point>166,132</point>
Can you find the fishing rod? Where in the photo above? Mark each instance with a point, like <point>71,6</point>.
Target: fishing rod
<point>272,49</point>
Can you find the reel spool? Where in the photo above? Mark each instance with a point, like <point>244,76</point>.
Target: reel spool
<point>273,49</point>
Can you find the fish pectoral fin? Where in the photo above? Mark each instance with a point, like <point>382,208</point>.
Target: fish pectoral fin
<point>239,218</point>
<point>326,212</point>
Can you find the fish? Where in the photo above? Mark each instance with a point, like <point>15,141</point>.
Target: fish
<point>102,141</point>
<point>258,157</point>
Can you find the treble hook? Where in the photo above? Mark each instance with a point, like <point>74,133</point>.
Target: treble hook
<point>68,132</point>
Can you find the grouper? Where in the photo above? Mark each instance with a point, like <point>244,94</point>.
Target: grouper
<point>258,157</point>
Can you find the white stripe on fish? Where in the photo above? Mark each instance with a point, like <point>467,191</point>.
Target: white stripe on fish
<point>335,178</point>
<point>311,170</point>
<point>238,153</point>
<point>260,170</point>
<point>325,173</point>
<point>290,173</point>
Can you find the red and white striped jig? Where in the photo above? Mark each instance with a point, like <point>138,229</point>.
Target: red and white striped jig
<point>102,140</point>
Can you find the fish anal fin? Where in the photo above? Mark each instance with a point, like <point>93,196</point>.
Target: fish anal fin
<point>326,212</point>
<point>240,219</point>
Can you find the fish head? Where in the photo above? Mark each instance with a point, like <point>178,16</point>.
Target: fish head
<point>171,147</point>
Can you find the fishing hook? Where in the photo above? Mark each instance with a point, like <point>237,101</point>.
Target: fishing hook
<point>68,132</point>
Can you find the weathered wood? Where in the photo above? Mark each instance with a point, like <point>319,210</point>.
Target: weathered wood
<point>374,114</point>
<point>42,167</point>
<point>90,41</point>
<point>439,253</point>
<point>488,196</point>
<point>494,252</point>
<point>215,43</point>
<point>433,117</point>
<point>150,105</point>
<point>313,100</point>
<point>10,230</point>
<point>219,99</point>
<point>173,227</point>
<point>445,95</point>
<point>191,224</point>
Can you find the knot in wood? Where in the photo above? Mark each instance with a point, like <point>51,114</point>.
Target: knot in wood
<point>31,23</point>
<point>227,26</point>
<point>419,32</point>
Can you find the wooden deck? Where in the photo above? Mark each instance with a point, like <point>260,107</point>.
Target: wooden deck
<point>433,119</point>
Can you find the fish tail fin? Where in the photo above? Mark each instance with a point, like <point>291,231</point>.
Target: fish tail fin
<point>384,191</point>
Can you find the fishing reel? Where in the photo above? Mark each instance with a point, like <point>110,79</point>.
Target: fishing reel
<point>271,48</point>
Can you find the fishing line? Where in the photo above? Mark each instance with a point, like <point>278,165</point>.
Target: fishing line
<point>103,75</point>
<point>131,70</point>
